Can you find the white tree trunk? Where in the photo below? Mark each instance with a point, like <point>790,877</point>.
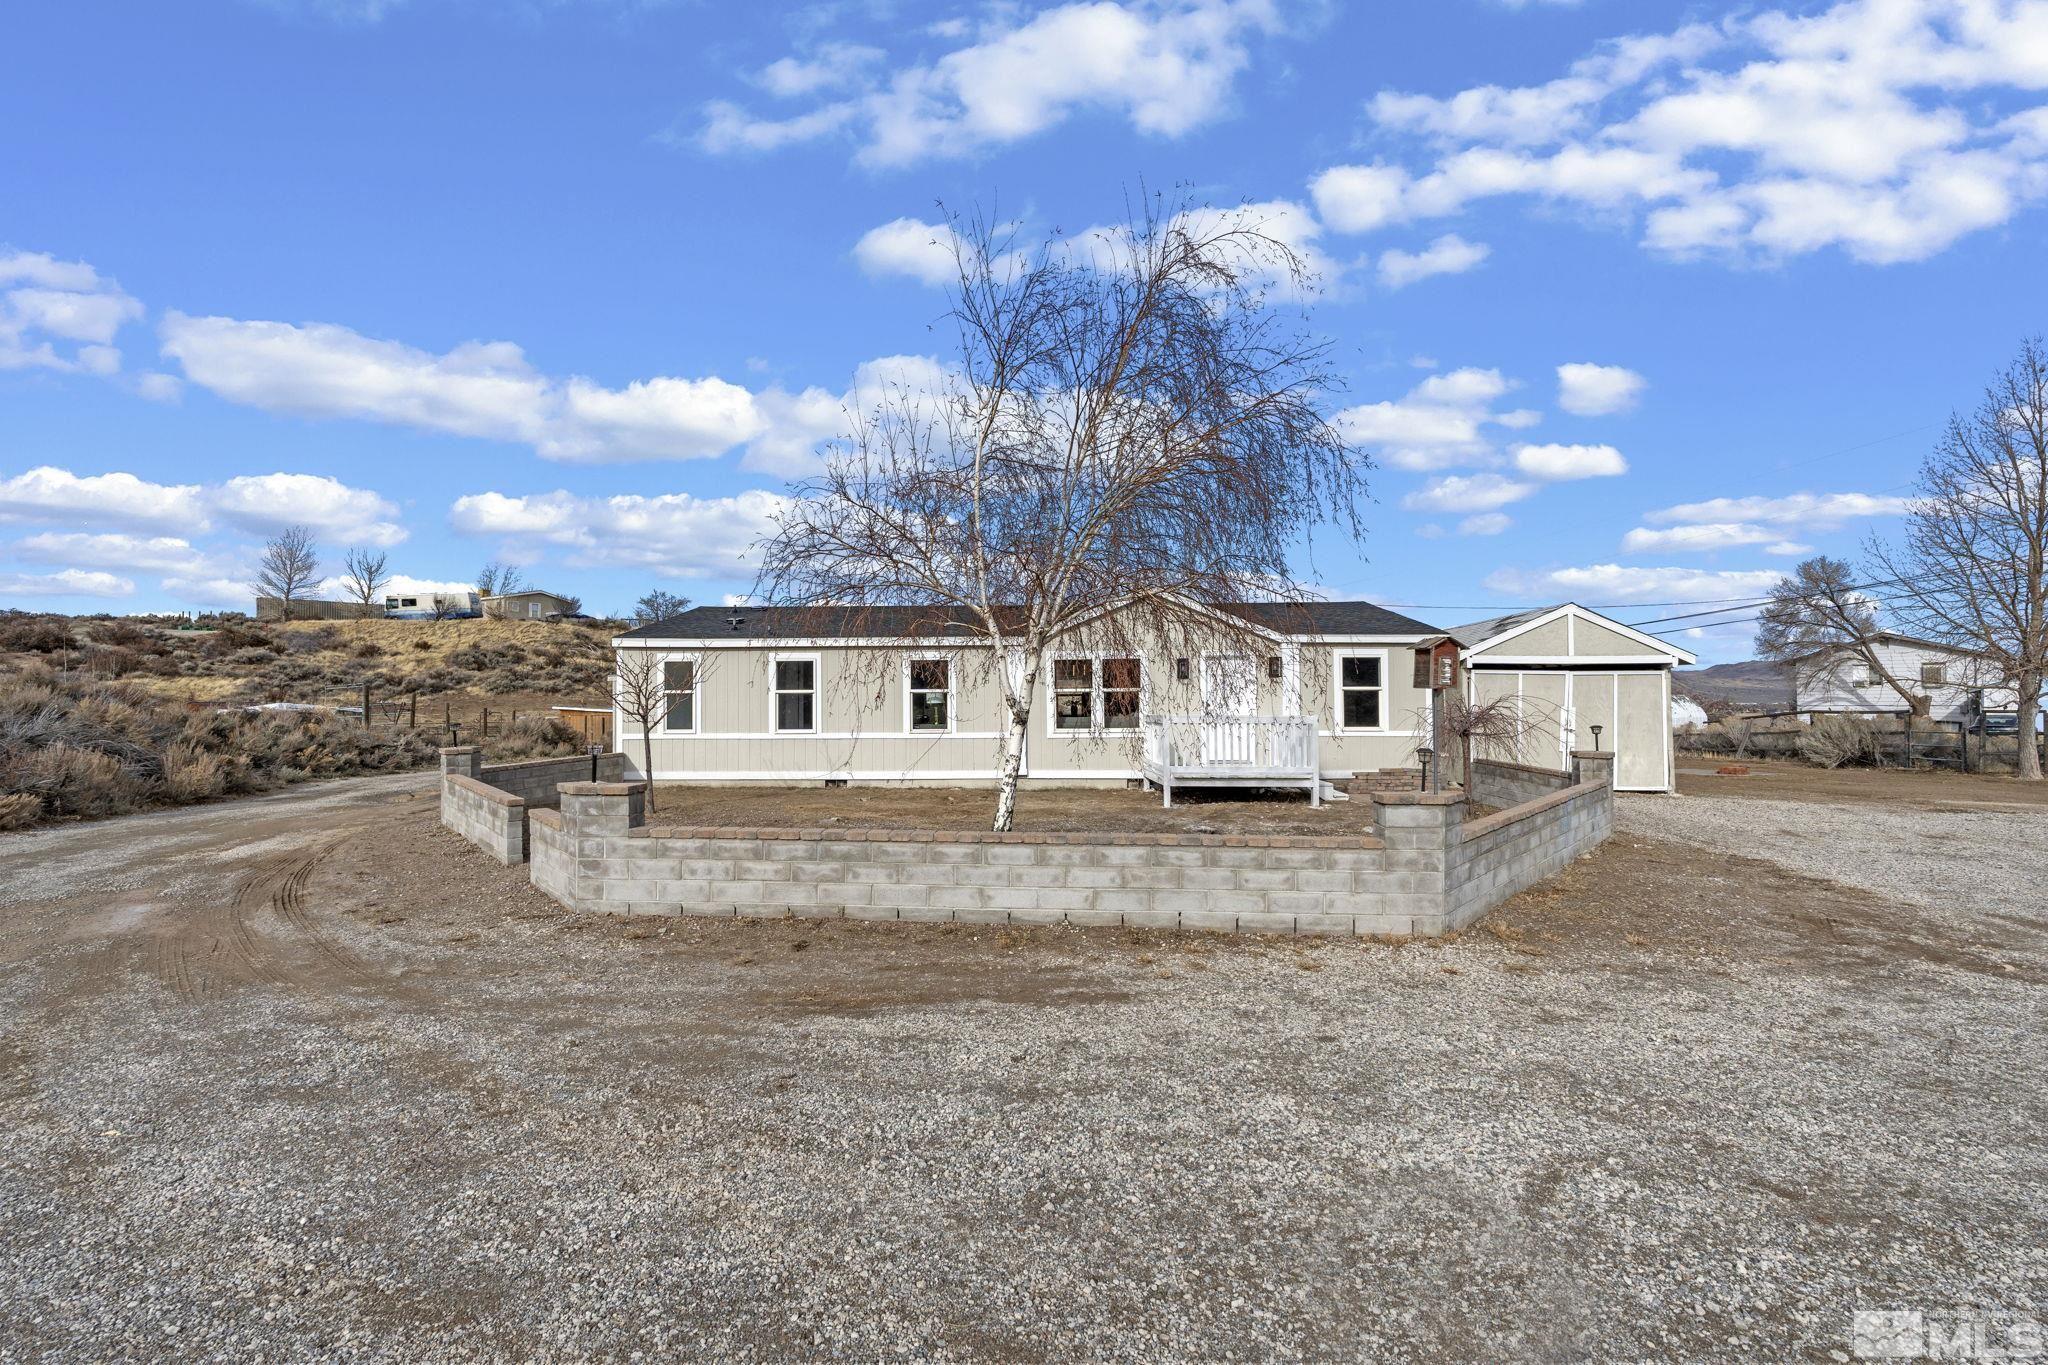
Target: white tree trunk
<point>1013,764</point>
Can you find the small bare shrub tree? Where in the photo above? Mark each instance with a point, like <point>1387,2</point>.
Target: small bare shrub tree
<point>640,690</point>
<point>288,568</point>
<point>1133,436</point>
<point>364,577</point>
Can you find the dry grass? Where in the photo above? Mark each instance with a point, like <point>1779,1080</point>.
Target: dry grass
<point>73,746</point>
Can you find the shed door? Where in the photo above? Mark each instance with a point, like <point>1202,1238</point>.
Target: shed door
<point>1642,727</point>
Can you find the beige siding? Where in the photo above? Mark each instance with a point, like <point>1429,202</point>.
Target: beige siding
<point>1642,735</point>
<point>1547,640</point>
<point>1593,640</point>
<point>862,734</point>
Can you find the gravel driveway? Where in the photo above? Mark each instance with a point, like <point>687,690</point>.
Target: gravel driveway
<point>320,1081</point>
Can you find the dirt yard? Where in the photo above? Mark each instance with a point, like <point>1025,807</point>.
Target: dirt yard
<point>1063,811</point>
<point>1924,789</point>
<point>308,1077</point>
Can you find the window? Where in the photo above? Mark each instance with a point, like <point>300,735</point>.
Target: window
<point>1073,694</point>
<point>1358,692</point>
<point>796,694</point>
<point>679,695</point>
<point>931,694</point>
<point>533,611</point>
<point>1934,675</point>
<point>1121,692</point>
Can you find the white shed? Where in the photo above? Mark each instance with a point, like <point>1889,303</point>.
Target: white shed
<point>1572,671</point>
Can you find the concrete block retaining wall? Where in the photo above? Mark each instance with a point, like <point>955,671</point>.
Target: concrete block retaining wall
<point>1493,858</point>
<point>489,804</point>
<point>1502,785</point>
<point>1426,872</point>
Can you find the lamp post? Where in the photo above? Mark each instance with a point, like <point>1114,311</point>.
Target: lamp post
<point>595,750</point>
<point>1596,739</point>
<point>1425,753</point>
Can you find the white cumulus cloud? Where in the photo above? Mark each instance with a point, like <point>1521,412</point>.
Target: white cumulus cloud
<point>1887,129</point>
<point>1716,535</point>
<point>1556,463</point>
<point>1596,390</point>
<point>1625,583</point>
<point>1467,493</point>
<point>60,315</point>
<point>1166,68</point>
<point>672,535</point>
<point>65,583</point>
<point>1818,510</point>
<point>1449,254</point>
<point>1438,424</point>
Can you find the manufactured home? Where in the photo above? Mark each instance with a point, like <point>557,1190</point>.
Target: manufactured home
<point>1273,695</point>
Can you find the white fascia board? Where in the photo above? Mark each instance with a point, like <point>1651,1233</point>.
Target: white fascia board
<point>796,642</point>
<point>1684,656</point>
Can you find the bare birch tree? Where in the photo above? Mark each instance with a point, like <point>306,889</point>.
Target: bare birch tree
<point>364,576</point>
<point>1820,615</point>
<point>288,568</point>
<point>1972,569</point>
<point>640,691</point>
<point>1133,434</point>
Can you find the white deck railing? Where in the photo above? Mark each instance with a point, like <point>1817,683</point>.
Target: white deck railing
<point>1188,747</point>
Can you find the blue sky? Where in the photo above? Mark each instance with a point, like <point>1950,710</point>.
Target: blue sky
<point>1634,300</point>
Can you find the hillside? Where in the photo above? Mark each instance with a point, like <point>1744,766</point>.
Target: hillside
<point>1751,685</point>
<point>104,715</point>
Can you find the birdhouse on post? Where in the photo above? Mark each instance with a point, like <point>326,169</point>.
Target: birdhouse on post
<point>1436,664</point>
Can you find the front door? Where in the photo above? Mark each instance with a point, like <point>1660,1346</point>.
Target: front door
<point>1230,698</point>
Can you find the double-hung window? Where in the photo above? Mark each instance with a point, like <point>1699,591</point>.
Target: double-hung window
<point>679,696</point>
<point>796,695</point>
<point>1122,691</point>
<point>1092,694</point>
<point>1360,692</point>
<point>1933,675</point>
<point>931,694</point>
<point>1073,694</point>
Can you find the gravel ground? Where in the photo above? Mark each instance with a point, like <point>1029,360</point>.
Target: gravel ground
<point>1958,864</point>
<point>321,1082</point>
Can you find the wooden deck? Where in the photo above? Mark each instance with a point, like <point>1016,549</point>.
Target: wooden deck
<point>1232,751</point>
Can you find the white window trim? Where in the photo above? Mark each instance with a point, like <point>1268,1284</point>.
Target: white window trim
<point>696,693</point>
<point>1096,729</point>
<point>1337,725</point>
<point>775,694</point>
<point>952,691</point>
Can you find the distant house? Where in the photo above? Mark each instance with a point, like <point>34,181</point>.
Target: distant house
<point>1959,685</point>
<point>431,606</point>
<point>531,605</point>
<point>312,609</point>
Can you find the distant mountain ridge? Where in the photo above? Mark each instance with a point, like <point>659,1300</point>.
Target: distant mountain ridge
<point>1752,683</point>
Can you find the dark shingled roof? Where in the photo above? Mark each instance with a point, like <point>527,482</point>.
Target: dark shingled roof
<point>824,623</point>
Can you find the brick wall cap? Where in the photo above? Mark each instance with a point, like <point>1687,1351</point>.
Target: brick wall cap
<point>551,818</point>
<point>600,788</point>
<point>484,789</point>
<point>1607,754</point>
<point>1349,842</point>
<point>1419,798</point>
<point>458,749</point>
